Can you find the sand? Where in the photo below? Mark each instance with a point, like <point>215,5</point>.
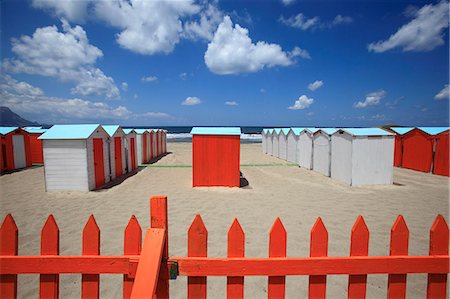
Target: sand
<point>296,195</point>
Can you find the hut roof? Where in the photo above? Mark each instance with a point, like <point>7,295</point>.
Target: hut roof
<point>310,130</point>
<point>277,131</point>
<point>35,130</point>
<point>297,131</point>
<point>7,130</point>
<point>69,131</point>
<point>140,131</point>
<point>402,130</point>
<point>216,131</point>
<point>285,130</point>
<point>111,129</point>
<point>329,131</point>
<point>365,132</point>
<point>128,131</point>
<point>433,130</point>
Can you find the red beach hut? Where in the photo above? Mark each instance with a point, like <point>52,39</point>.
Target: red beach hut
<point>37,155</point>
<point>215,156</point>
<point>398,145</point>
<point>15,148</point>
<point>417,150</point>
<point>441,154</point>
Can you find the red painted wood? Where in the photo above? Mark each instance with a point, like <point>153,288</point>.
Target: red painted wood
<point>216,160</point>
<point>37,155</point>
<point>149,264</point>
<point>90,283</point>
<point>158,143</point>
<point>49,283</point>
<point>399,246</point>
<point>9,245</point>
<point>9,152</point>
<point>132,244</point>
<point>417,150</point>
<point>159,219</point>
<point>319,247</point>
<point>439,237</point>
<point>133,153</point>
<point>277,248</point>
<point>2,153</point>
<point>236,248</point>
<point>99,166</point>
<point>144,148</point>
<point>398,150</point>
<point>197,247</point>
<point>359,246</point>
<point>118,155</point>
<point>441,154</point>
<point>152,154</point>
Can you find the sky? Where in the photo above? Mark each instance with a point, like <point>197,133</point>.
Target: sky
<point>268,63</point>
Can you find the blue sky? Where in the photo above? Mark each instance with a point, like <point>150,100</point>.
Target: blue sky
<point>262,63</point>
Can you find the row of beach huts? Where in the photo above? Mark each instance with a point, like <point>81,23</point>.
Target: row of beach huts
<point>361,156</point>
<point>80,157</point>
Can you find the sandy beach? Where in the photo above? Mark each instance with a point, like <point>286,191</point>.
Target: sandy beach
<point>296,195</point>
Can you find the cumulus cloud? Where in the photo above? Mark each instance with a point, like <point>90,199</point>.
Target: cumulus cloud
<point>371,99</point>
<point>300,21</point>
<point>231,103</point>
<point>205,27</point>
<point>303,102</point>
<point>65,55</point>
<point>287,2</point>
<point>231,51</point>
<point>298,52</point>
<point>315,85</point>
<point>71,10</point>
<point>443,94</point>
<point>23,88</point>
<point>424,33</point>
<point>124,86</point>
<point>149,79</point>
<point>340,19</point>
<point>159,115</point>
<point>191,101</point>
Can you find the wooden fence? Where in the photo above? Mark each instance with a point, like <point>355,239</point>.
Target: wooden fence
<point>147,269</point>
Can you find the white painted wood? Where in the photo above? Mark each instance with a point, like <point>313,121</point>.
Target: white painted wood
<point>341,157</point>
<point>65,165</point>
<point>148,147</point>
<point>291,154</point>
<point>269,144</point>
<point>128,145</point>
<point>282,146</point>
<point>138,145</point>
<point>275,145</point>
<point>20,160</point>
<point>305,150</point>
<point>322,153</point>
<point>264,142</point>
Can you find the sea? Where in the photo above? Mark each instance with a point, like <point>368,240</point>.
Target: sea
<point>181,134</point>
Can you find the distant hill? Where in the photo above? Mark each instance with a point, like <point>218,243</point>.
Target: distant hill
<point>11,119</point>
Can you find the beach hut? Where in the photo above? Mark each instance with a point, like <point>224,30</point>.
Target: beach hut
<point>164,142</point>
<point>291,140</point>
<point>305,147</point>
<point>37,155</point>
<point>142,145</point>
<point>282,143</point>
<point>130,149</point>
<point>158,142</point>
<point>16,152</point>
<point>441,154</point>
<point>264,134</point>
<point>398,148</point>
<point>418,146</point>
<point>215,156</point>
<point>362,156</point>
<point>275,144</point>
<point>269,141</point>
<point>76,157</point>
<point>116,149</point>
<point>322,150</point>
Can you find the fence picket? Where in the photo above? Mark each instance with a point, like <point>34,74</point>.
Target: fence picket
<point>236,248</point>
<point>49,283</point>
<point>197,246</point>
<point>277,248</point>
<point>9,245</point>
<point>399,246</point>
<point>359,246</point>
<point>439,237</point>
<point>132,245</point>
<point>90,283</point>
<point>158,219</point>
<point>318,247</point>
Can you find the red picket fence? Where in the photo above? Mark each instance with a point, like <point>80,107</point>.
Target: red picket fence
<point>147,271</point>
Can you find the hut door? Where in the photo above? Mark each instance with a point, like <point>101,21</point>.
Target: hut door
<point>99,163</point>
<point>118,155</point>
<point>144,148</point>
<point>19,151</point>
<point>127,152</point>
<point>133,154</point>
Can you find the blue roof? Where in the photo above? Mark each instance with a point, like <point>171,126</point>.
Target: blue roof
<point>36,130</point>
<point>402,130</point>
<point>366,132</point>
<point>127,131</point>
<point>216,131</point>
<point>7,130</point>
<point>328,131</point>
<point>310,130</point>
<point>140,131</point>
<point>31,128</point>
<point>69,132</point>
<point>285,130</point>
<point>433,130</point>
<point>111,129</point>
<point>277,131</point>
<point>297,131</point>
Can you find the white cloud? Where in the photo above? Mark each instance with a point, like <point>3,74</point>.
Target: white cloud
<point>160,115</point>
<point>69,9</point>
<point>183,76</point>
<point>23,88</point>
<point>315,85</point>
<point>424,33</point>
<point>149,79</point>
<point>340,19</point>
<point>65,55</point>
<point>371,99</point>
<point>148,27</point>
<point>204,28</point>
<point>300,21</point>
<point>124,86</point>
<point>232,51</point>
<point>443,94</point>
<point>191,101</point>
<point>298,52</point>
<point>287,2</point>
<point>231,103</point>
<point>303,102</point>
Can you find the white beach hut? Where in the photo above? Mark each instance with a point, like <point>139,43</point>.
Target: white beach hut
<point>291,144</point>
<point>116,148</point>
<point>141,138</point>
<point>282,143</point>
<point>269,141</point>
<point>275,144</point>
<point>322,150</point>
<point>75,157</point>
<point>305,147</point>
<point>362,156</point>
<point>264,140</point>
<point>130,149</point>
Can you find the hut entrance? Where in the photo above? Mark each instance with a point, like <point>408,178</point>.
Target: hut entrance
<point>133,154</point>
<point>19,151</point>
<point>118,155</point>
<point>99,163</point>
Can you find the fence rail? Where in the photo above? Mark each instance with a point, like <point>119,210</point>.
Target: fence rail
<point>147,268</point>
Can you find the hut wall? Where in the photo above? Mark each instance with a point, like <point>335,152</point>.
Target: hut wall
<point>322,154</point>
<point>291,146</point>
<point>37,155</point>
<point>304,153</point>
<point>269,144</point>
<point>341,157</point>
<point>275,145</point>
<point>282,146</point>
<point>90,158</point>
<point>441,155</point>
<point>417,150</point>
